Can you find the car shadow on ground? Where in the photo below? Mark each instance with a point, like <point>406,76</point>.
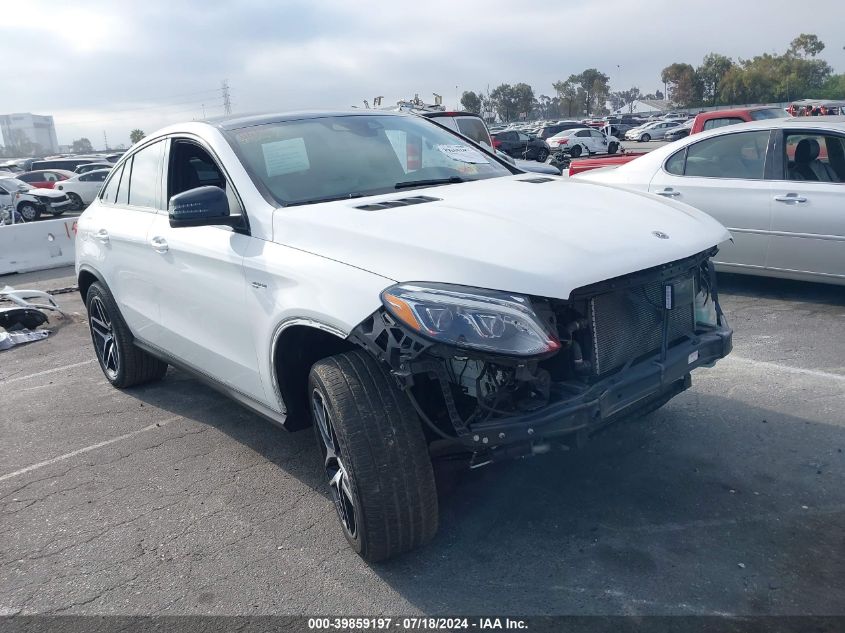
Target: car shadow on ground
<point>707,502</point>
<point>781,289</point>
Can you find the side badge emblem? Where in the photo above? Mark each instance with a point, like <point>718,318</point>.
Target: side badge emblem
<point>660,235</point>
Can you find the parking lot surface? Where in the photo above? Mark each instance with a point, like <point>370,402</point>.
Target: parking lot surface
<point>172,499</point>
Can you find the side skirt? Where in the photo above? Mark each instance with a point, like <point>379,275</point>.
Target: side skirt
<point>279,419</point>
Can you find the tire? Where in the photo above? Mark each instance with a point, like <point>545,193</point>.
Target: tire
<point>575,152</point>
<point>75,201</point>
<point>542,155</point>
<point>375,456</point>
<point>123,364</point>
<point>612,147</point>
<point>645,138</point>
<point>29,211</point>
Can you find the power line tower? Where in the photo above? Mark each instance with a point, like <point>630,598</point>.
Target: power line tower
<point>105,140</point>
<point>227,102</point>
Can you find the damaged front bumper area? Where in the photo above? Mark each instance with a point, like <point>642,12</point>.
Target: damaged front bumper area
<point>627,346</point>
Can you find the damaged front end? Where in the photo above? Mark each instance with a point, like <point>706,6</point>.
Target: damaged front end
<point>504,375</point>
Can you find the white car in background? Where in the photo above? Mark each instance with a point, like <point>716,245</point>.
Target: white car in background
<point>30,202</point>
<point>584,140</point>
<point>653,130</point>
<point>83,188</point>
<point>777,184</point>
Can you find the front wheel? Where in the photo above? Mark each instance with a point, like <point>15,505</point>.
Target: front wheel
<point>29,212</point>
<point>76,203</point>
<point>645,138</point>
<point>375,456</point>
<point>542,155</point>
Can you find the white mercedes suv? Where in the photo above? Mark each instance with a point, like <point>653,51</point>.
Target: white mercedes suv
<point>399,288</point>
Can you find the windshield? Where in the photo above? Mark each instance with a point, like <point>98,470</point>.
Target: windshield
<point>14,183</point>
<point>769,113</point>
<point>335,157</point>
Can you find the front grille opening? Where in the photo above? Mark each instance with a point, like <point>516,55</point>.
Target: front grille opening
<point>628,325</point>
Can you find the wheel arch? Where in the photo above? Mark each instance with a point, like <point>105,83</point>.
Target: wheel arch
<point>297,345</point>
<point>85,278</point>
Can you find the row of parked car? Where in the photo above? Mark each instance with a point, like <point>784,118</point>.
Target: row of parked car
<point>51,186</point>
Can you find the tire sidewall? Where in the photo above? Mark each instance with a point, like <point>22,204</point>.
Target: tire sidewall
<point>315,382</point>
<point>118,332</point>
<point>35,211</point>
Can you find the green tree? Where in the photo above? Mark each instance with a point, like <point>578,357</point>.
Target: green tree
<point>711,72</point>
<point>82,146</point>
<point>806,45</point>
<point>770,77</point>
<point>567,94</point>
<point>684,86</point>
<point>471,102</point>
<point>523,100</point>
<point>596,86</point>
<point>136,135</point>
<point>622,98</point>
<point>503,101</point>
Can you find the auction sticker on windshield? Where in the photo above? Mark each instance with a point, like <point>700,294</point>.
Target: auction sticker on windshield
<point>462,153</point>
<point>285,157</point>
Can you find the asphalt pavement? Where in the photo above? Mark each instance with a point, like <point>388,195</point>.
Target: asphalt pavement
<point>171,499</point>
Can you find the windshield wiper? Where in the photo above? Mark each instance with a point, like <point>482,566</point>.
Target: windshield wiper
<point>428,183</point>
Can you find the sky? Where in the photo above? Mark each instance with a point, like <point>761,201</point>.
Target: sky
<point>109,67</point>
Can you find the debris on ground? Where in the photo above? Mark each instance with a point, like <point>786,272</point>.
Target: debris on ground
<point>10,339</point>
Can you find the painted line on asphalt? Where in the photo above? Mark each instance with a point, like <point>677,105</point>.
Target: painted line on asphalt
<point>47,371</point>
<point>88,449</point>
<point>762,364</point>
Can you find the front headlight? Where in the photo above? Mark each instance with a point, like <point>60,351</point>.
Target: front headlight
<point>472,318</point>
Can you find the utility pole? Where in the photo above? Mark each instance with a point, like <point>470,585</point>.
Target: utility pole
<point>227,103</point>
<point>105,140</point>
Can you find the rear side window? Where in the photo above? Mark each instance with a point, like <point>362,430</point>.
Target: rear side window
<point>109,195</point>
<point>712,124</point>
<point>740,155</point>
<point>474,129</point>
<point>676,162</point>
<point>146,173</point>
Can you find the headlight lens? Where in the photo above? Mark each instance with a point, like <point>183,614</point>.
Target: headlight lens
<point>472,318</point>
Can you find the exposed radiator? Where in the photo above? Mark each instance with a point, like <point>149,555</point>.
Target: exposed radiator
<point>628,324</point>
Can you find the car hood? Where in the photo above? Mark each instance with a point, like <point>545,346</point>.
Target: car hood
<point>543,238</point>
<point>46,193</point>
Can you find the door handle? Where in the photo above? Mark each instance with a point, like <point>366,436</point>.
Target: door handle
<point>159,244</point>
<point>669,193</point>
<point>102,235</point>
<point>790,198</point>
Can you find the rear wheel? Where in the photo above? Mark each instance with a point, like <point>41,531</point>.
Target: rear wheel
<point>374,454</point>
<point>575,152</point>
<point>542,155</point>
<point>612,147</point>
<point>645,138</point>
<point>123,364</point>
<point>29,211</point>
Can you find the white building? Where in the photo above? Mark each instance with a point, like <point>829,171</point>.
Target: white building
<point>38,130</point>
<point>645,106</point>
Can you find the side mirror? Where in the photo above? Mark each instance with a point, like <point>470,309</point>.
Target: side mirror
<point>202,206</point>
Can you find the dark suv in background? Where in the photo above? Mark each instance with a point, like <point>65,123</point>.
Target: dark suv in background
<point>521,145</point>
